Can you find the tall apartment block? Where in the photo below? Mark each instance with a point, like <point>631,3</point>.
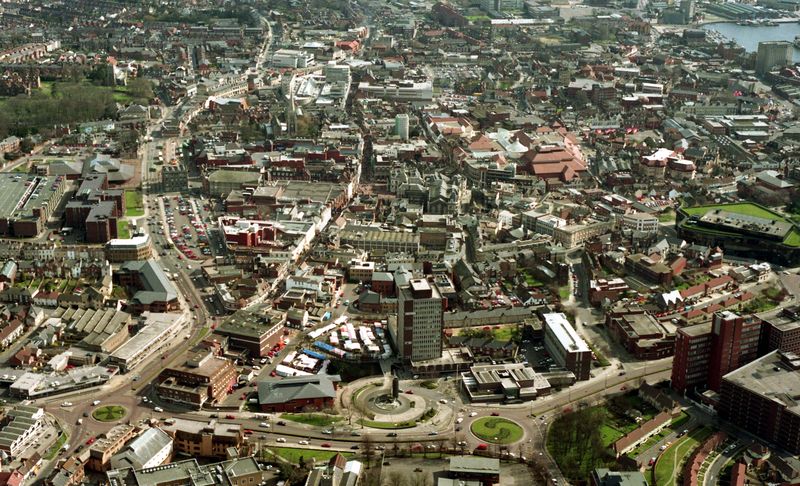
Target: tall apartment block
<point>420,315</point>
<point>706,352</point>
<point>734,343</point>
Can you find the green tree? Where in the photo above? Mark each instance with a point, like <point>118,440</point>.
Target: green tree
<point>140,88</point>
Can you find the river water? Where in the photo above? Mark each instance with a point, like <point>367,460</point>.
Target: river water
<point>749,36</point>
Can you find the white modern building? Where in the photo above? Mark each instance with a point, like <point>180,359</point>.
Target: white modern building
<point>26,423</point>
<point>566,346</point>
<point>641,222</point>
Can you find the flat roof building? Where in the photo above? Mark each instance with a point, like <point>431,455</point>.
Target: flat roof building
<point>27,201</point>
<point>566,347</point>
<point>204,439</point>
<point>239,471</point>
<point>122,250</point>
<point>420,319</point>
<point>253,331</point>
<point>761,397</point>
<point>499,382</point>
<point>202,378</point>
<point>154,336</point>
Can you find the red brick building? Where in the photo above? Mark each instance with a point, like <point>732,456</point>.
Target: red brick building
<point>690,362</point>
<point>297,393</point>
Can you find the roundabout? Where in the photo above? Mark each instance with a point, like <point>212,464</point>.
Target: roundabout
<point>497,430</point>
<point>109,413</point>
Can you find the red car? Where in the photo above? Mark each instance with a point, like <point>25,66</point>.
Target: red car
<point>482,447</point>
<point>326,445</point>
<point>248,431</point>
<point>495,414</point>
<point>230,417</point>
<point>90,441</point>
<point>196,306</point>
<point>409,392</point>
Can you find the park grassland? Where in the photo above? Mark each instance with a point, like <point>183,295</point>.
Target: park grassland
<point>580,441</point>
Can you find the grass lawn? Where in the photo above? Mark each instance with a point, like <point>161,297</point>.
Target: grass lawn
<point>667,216</point>
<point>759,304</point>
<point>53,450</point>
<point>563,292</point>
<point>199,337</point>
<point>121,95</point>
<point>315,419</point>
<point>792,239</point>
<point>429,384</point>
<point>293,455</point>
<point>122,229</point>
<point>503,333</point>
<point>133,203</point>
<point>671,459</point>
<point>46,87</point>
<point>387,425</point>
<point>109,413</point>
<point>497,430</point>
<point>610,434</point>
<point>678,421</point>
<point>531,280</point>
<point>602,361</point>
<point>21,168</point>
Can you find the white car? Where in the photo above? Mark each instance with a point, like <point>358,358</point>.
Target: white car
<point>264,425</point>
<point>66,404</point>
<point>158,409</point>
<point>473,414</point>
<point>96,403</point>
<point>280,439</point>
<point>302,442</point>
<point>459,420</point>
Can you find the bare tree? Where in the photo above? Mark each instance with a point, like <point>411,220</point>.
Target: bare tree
<point>421,479</point>
<point>395,478</point>
<point>372,477</point>
<point>368,447</point>
<point>441,443</point>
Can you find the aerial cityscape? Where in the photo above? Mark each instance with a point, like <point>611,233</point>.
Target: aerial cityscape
<point>399,243</point>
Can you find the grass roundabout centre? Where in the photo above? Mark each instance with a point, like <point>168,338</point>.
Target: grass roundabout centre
<point>497,430</point>
<point>109,413</point>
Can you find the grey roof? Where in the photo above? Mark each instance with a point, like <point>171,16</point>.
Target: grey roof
<point>277,391</point>
<point>157,287</point>
<point>141,449</point>
<point>104,164</point>
<point>485,465</point>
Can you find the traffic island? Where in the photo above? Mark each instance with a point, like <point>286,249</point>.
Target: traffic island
<point>497,430</point>
<point>109,413</point>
